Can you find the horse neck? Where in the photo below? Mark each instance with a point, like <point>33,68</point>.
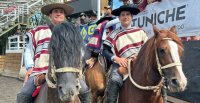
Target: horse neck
<point>145,67</point>
<point>144,72</point>
<point>145,76</point>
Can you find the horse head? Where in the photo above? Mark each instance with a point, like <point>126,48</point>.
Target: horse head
<point>169,51</point>
<point>65,61</point>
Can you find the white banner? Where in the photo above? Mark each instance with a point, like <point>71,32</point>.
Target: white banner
<point>184,14</point>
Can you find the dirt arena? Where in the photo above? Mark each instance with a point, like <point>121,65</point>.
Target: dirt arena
<point>9,87</point>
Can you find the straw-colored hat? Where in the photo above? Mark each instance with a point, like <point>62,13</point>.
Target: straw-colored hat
<point>48,8</point>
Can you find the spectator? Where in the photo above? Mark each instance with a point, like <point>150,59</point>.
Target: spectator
<point>126,2</point>
<point>197,37</point>
<point>18,32</point>
<point>83,19</point>
<point>108,11</point>
<point>93,16</point>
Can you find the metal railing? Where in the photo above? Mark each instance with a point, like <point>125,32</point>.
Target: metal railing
<point>17,13</point>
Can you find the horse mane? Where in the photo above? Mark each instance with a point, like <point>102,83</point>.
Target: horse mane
<point>146,58</point>
<point>65,46</point>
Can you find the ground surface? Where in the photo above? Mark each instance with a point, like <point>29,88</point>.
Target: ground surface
<point>9,87</point>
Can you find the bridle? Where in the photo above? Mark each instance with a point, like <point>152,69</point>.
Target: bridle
<point>62,70</point>
<point>160,68</point>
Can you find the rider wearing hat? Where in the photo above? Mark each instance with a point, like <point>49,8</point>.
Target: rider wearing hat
<point>95,44</point>
<point>36,53</point>
<point>123,43</point>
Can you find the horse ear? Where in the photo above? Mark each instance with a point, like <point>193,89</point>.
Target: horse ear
<point>156,31</point>
<point>173,29</point>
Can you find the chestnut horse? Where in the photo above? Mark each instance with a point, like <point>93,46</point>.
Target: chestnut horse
<point>159,58</point>
<point>96,80</point>
<point>62,80</point>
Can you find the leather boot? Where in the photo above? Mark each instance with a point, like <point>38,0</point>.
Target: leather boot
<point>21,98</point>
<point>112,92</point>
<point>85,97</point>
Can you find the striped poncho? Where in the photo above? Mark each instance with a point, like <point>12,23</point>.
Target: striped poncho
<point>96,41</point>
<point>41,37</point>
<point>126,42</point>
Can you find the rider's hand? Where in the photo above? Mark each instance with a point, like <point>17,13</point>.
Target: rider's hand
<point>28,73</point>
<point>121,61</point>
<point>90,62</point>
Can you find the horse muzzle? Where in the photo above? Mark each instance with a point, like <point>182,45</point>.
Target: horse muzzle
<point>177,85</point>
<point>67,98</point>
<point>66,94</point>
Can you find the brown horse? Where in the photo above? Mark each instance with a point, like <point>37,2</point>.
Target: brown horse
<point>160,57</point>
<point>62,80</point>
<point>96,80</point>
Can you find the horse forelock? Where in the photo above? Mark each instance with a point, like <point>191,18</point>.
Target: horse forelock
<point>174,37</point>
<point>169,34</point>
<point>65,46</point>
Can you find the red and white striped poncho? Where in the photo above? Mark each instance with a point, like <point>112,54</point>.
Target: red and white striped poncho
<point>41,37</point>
<point>126,42</point>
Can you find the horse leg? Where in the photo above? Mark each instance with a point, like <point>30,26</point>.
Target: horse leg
<point>94,97</point>
<point>100,99</point>
<point>101,96</point>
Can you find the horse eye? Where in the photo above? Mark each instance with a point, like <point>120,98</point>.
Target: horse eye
<point>77,87</point>
<point>162,51</point>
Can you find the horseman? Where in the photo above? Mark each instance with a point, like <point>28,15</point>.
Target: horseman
<point>123,43</point>
<point>36,54</point>
<point>95,44</point>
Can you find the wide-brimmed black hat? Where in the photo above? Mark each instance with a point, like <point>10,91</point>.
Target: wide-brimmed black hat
<point>103,19</point>
<point>132,10</point>
<point>48,8</point>
<point>93,13</point>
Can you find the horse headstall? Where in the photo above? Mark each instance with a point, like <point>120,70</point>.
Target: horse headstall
<point>155,88</point>
<point>160,68</point>
<point>62,70</point>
